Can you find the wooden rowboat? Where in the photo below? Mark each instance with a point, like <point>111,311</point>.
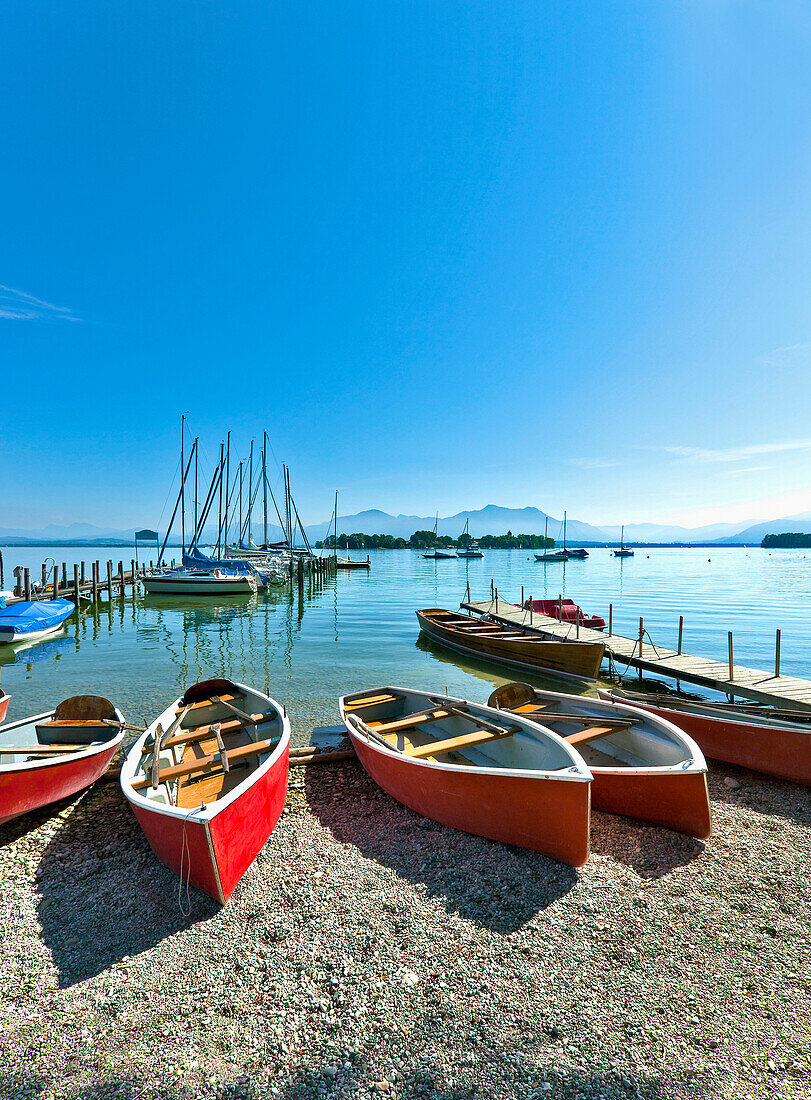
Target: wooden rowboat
<point>765,740</point>
<point>55,754</point>
<point>643,766</point>
<point>510,645</point>
<point>463,765</point>
<point>207,782</point>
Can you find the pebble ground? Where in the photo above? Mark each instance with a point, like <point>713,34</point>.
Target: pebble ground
<point>371,953</point>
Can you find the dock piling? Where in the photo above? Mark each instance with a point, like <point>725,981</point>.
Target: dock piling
<point>27,584</point>
<point>777,653</point>
<point>610,619</point>
<point>681,633</point>
<point>56,582</point>
<point>641,635</point>
<point>94,571</point>
<point>76,589</point>
<point>731,676</point>
<point>109,580</point>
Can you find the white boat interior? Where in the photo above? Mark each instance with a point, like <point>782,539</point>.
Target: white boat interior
<point>452,731</point>
<point>607,735</point>
<point>79,723</point>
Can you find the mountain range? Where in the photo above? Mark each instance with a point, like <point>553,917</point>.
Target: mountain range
<point>491,520</point>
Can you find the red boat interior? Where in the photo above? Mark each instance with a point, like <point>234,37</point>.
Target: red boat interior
<point>211,745</point>
<point>566,611</point>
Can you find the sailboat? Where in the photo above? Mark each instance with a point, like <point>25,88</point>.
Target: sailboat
<point>555,555</point>
<point>623,551</point>
<point>471,549</point>
<point>435,553</point>
<point>347,562</point>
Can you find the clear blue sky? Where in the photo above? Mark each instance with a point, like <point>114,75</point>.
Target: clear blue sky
<point>446,253</point>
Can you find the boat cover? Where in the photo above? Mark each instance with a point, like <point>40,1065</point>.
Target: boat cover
<point>225,565</point>
<point>30,616</point>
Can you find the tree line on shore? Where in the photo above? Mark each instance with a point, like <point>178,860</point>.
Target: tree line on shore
<point>791,539</point>
<point>424,540</point>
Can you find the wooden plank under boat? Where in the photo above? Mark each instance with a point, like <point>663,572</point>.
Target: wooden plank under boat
<point>213,796</point>
<point>510,645</point>
<point>643,766</point>
<point>463,765</point>
<point>773,742</point>
<point>56,754</point>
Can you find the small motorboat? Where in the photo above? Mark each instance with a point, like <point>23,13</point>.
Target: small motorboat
<point>510,645</point>
<point>643,766</point>
<point>28,620</point>
<point>580,552</point>
<point>439,554</point>
<point>55,754</point>
<point>565,610</point>
<point>207,782</point>
<point>469,767</point>
<point>775,742</point>
<point>199,582</point>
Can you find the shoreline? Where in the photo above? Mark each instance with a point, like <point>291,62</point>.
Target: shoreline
<point>370,952</point>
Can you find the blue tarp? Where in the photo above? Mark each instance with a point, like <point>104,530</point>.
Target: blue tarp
<point>225,565</point>
<point>30,616</point>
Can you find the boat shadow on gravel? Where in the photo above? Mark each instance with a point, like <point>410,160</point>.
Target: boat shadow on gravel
<point>103,895</point>
<point>415,1083</point>
<point>649,850</point>
<point>493,885</point>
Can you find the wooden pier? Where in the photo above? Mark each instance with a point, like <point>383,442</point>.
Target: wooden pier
<point>785,692</point>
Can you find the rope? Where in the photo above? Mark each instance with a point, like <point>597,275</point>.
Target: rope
<point>184,852</point>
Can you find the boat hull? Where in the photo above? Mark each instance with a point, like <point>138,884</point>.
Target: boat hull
<point>571,660</point>
<point>235,586</point>
<point>675,800</point>
<point>544,814</point>
<point>771,749</point>
<point>4,707</point>
<point>213,854</point>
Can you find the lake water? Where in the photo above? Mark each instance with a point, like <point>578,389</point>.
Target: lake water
<point>358,629</point>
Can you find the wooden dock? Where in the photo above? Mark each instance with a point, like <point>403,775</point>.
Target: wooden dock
<point>786,692</point>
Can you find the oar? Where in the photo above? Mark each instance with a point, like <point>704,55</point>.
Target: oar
<point>123,725</point>
<point>160,737</point>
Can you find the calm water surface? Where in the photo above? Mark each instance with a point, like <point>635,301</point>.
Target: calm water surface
<point>358,630</point>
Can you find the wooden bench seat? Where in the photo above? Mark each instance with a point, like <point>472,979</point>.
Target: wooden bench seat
<point>205,763</point>
<point>371,701</point>
<point>464,741</point>
<point>412,720</point>
<point>202,733</point>
<point>592,733</point>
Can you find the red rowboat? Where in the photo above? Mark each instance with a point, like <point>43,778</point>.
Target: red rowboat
<point>566,611</point>
<point>56,754</point>
<point>774,742</point>
<point>212,797</point>
<point>643,766</point>
<point>463,765</point>
<point>3,705</point>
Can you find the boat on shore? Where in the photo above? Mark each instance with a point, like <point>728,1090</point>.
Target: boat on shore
<point>464,765</point>
<point>56,754</point>
<point>643,766</point>
<point>207,782</point>
<point>29,620</point>
<point>775,742</point>
<point>565,610</point>
<point>511,645</point>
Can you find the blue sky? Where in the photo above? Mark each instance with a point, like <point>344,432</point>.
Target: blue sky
<point>446,253</point>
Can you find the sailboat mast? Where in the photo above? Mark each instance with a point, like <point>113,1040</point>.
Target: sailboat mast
<point>227,490</point>
<point>182,483</point>
<point>335,538</point>
<point>219,507</point>
<point>564,530</point>
<point>196,502</point>
<point>240,500</point>
<point>250,494</point>
<point>265,488</point>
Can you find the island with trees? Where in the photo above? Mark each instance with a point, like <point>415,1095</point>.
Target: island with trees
<point>424,540</point>
<point>793,540</point>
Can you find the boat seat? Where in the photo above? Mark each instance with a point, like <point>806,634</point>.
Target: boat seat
<point>465,740</point>
<point>202,733</point>
<point>411,721</point>
<point>201,703</point>
<point>176,771</point>
<point>372,701</point>
<point>592,733</point>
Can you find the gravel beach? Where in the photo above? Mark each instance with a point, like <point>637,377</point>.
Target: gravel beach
<point>372,953</point>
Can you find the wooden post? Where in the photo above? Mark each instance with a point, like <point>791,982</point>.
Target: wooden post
<point>681,632</point>
<point>44,575</point>
<point>27,584</point>
<point>121,576</point>
<point>641,634</point>
<point>530,610</point>
<point>492,589</point>
<point>522,595</point>
<point>83,574</point>
<point>610,619</point>
<point>300,572</point>
<point>94,572</point>
<point>109,580</point>
<point>56,581</point>
<point>577,623</point>
<point>468,591</point>
<point>64,575</point>
<point>560,608</point>
<point>731,676</point>
<point>496,598</point>
<point>777,653</point>
<point>76,589</point>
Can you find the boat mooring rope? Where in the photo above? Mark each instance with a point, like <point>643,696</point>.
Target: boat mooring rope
<point>184,852</point>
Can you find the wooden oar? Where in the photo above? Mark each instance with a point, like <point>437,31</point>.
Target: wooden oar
<point>160,738</point>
